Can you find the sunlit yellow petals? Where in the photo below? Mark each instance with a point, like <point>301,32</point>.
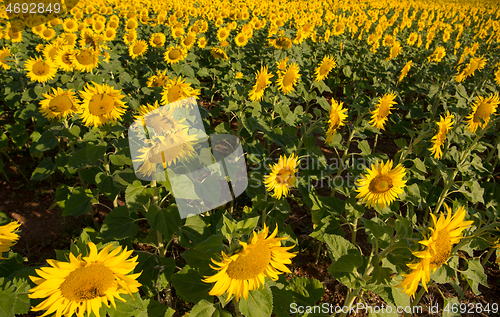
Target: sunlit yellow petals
<point>246,269</point>
<point>382,111</point>
<point>282,176</point>
<point>262,81</point>
<point>482,109</point>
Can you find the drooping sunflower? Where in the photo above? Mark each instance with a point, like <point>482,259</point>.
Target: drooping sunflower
<point>166,149</point>
<point>483,108</point>
<point>447,231</point>
<point>137,48</point>
<point>282,176</point>
<point>282,43</point>
<point>40,70</point>
<point>175,54</point>
<point>157,80</point>
<point>188,41</point>
<point>59,104</point>
<point>288,78</point>
<point>102,104</point>
<point>218,53</point>
<point>4,54</point>
<point>83,285</point>
<point>176,89</point>
<point>443,127</point>
<point>327,64</point>
<point>438,55</point>
<point>157,40</point>
<point>262,80</point>
<point>246,269</point>
<point>382,110</point>
<point>405,70</point>
<point>476,63</point>
<point>85,59</point>
<point>336,119</point>
<point>8,236</point>
<point>395,50</point>
<point>381,185</point>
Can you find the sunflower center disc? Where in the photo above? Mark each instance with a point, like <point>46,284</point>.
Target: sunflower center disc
<point>84,58</point>
<point>60,104</point>
<point>86,283</point>
<point>174,54</point>
<point>483,111</point>
<point>101,105</point>
<point>174,93</point>
<point>442,250</point>
<point>383,111</point>
<point>380,184</point>
<point>288,78</point>
<point>285,176</point>
<point>138,48</point>
<point>250,263</point>
<point>41,68</point>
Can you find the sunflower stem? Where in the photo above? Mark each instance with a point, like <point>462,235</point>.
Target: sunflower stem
<point>417,298</point>
<point>15,165</point>
<point>237,308</point>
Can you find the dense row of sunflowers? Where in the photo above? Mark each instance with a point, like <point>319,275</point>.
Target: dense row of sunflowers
<point>101,65</point>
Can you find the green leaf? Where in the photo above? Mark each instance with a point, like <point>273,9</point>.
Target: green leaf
<point>167,221</point>
<point>95,152</point>
<point>189,285</point>
<point>432,91</point>
<point>4,140</point>
<point>133,306</point>
<point>258,304</point>
<point>306,291</point>
<point>11,301</point>
<point>475,275</point>
<point>43,170</point>
<point>105,185</point>
<point>79,159</point>
<point>125,78</point>
<point>79,202</point>
<point>202,309</point>
<point>203,72</point>
<point>154,268</point>
<point>201,254</point>
<point>45,143</point>
<point>449,306</point>
<point>401,143</point>
<point>120,159</point>
<point>119,224</point>
<point>186,71</point>
<point>159,310</point>
<point>137,196</point>
<point>364,147</point>
<point>337,245</point>
<point>19,135</point>
<point>194,231</point>
<point>347,71</point>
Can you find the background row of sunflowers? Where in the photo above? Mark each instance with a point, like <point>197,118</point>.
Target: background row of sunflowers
<point>294,80</point>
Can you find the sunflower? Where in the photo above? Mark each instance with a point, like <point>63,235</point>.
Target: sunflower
<point>157,40</point>
<point>131,24</point>
<point>412,38</point>
<point>405,70</point>
<point>48,34</point>
<point>241,39</point>
<point>262,80</point>
<point>327,64</point>
<point>174,54</point>
<point>130,37</point>
<point>188,41</point>
<point>50,51</point>
<point>281,64</point>
<point>109,34</point>
<point>282,43</point>
<point>282,176</point>
<point>176,89</point>
<point>288,78</point>
<point>497,76</point>
<point>381,184</point>
<point>338,28</point>
<point>8,236</point>
<point>167,149</point>
<point>177,32</point>
<point>476,63</point>
<point>4,54</point>
<point>202,42</point>
<point>218,53</point>
<point>157,80</point>
<point>382,110</point>
<point>223,34</point>
<point>395,50</point>
<point>59,104</point>
<point>40,70</point>
<point>137,48</point>
<point>482,109</point>
<point>336,120</point>
<point>438,55</point>
<point>246,269</point>
<point>447,231</point>
<point>89,38</point>
<point>389,40</point>
<point>82,285</point>
<point>70,25</point>
<point>101,104</point>
<point>161,120</point>
<point>85,60</point>
<point>444,126</point>
<point>69,39</point>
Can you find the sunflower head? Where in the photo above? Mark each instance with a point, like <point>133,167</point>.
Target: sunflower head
<point>336,119</point>
<point>260,257</point>
<point>288,78</point>
<point>8,236</point>
<point>102,104</point>
<point>218,53</point>
<point>175,54</point>
<point>282,176</point>
<point>84,284</point>
<point>59,104</point>
<point>382,110</point>
<point>482,109</point>
<point>327,64</point>
<point>40,70</point>
<point>262,80</point>
<point>381,184</point>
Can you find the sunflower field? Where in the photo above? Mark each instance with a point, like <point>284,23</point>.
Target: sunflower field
<point>358,179</point>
